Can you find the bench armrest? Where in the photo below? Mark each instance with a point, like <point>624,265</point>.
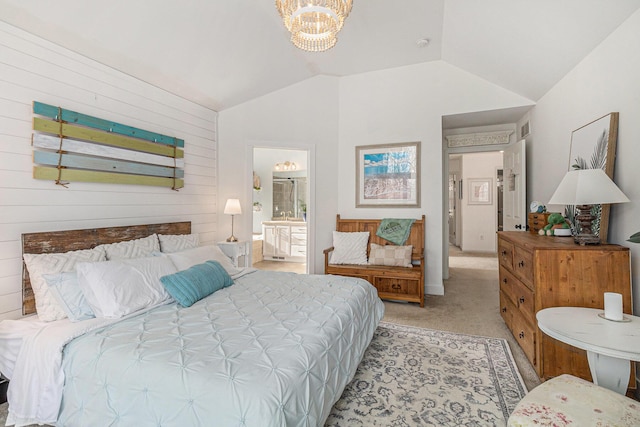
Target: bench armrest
<point>328,250</point>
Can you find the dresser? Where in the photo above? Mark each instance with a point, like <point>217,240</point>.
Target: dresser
<point>537,272</point>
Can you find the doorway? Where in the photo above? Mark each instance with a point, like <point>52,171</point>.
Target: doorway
<point>280,197</point>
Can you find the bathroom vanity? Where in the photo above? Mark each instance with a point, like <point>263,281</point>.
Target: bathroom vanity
<point>284,241</point>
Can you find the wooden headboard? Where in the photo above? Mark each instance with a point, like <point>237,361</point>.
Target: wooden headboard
<point>73,240</point>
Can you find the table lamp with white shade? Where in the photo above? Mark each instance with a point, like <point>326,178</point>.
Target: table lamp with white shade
<point>232,207</point>
<point>585,188</point>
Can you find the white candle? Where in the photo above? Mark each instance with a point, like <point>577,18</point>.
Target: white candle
<point>613,306</point>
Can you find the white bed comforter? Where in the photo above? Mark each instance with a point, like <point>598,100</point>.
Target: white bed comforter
<point>274,349</point>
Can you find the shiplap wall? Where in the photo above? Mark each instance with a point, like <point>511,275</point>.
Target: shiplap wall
<point>34,69</point>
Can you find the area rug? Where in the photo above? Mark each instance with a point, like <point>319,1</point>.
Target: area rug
<point>421,377</point>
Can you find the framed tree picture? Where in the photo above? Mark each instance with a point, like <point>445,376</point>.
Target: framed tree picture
<point>594,146</point>
<point>388,175</point>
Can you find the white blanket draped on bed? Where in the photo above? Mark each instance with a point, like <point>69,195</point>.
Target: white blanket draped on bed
<point>274,349</point>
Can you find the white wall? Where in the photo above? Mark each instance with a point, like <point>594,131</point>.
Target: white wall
<point>407,104</point>
<point>479,222</point>
<point>607,80</point>
<point>302,116</point>
<point>32,69</point>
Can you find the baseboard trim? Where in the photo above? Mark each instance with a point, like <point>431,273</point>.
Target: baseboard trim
<point>434,289</point>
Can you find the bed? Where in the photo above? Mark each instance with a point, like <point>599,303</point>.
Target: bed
<point>273,349</point>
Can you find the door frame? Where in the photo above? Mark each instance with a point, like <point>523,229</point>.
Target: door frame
<point>311,187</point>
<point>446,152</point>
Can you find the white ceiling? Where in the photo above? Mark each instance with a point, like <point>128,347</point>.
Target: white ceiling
<point>220,53</point>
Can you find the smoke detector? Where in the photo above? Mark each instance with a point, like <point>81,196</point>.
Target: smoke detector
<point>423,42</point>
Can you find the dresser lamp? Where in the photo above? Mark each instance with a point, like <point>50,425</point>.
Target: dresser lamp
<point>232,208</point>
<point>585,188</point>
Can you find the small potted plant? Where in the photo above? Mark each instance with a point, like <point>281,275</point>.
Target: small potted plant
<point>635,238</point>
<point>303,209</point>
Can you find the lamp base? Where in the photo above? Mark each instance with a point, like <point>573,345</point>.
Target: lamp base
<point>232,239</point>
<point>586,239</point>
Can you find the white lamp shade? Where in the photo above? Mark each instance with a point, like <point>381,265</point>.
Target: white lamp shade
<point>232,207</point>
<point>587,187</point>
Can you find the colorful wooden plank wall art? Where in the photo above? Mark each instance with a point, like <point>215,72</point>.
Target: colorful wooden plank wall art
<point>70,146</point>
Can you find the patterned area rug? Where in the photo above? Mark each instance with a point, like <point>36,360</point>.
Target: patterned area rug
<point>421,377</point>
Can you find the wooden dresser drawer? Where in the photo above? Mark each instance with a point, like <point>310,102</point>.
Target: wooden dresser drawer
<point>507,281</point>
<point>523,265</point>
<point>524,299</point>
<point>525,334</point>
<point>505,254</point>
<point>506,310</point>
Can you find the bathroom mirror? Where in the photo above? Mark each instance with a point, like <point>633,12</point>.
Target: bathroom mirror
<point>289,195</point>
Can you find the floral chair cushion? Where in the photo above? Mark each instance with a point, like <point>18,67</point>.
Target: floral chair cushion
<point>569,401</point>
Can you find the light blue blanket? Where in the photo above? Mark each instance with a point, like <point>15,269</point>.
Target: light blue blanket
<point>395,230</point>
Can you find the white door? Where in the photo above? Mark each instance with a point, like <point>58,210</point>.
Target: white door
<point>515,187</point>
<point>453,197</point>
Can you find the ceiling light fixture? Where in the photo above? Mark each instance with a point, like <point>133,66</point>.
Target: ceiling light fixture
<point>314,24</point>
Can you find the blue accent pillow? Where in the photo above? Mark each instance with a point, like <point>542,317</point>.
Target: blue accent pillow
<point>65,289</point>
<point>201,280</point>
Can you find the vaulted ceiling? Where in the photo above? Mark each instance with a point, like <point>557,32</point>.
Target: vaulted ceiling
<point>220,53</point>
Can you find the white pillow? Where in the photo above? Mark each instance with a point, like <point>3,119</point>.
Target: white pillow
<point>391,255</point>
<point>190,257</point>
<point>47,306</point>
<point>66,290</point>
<point>178,242</point>
<point>139,248</point>
<point>349,248</point>
<point>116,288</point>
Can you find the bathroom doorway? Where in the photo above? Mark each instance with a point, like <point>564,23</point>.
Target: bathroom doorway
<point>280,200</point>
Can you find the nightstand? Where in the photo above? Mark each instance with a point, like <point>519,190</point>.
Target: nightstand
<point>235,250</point>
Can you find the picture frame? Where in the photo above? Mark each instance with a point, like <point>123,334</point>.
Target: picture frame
<point>594,146</point>
<point>480,191</point>
<point>388,175</point>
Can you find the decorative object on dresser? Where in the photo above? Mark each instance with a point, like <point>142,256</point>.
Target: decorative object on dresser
<point>583,189</point>
<point>537,272</point>
<point>392,282</point>
<point>537,221</point>
<point>593,146</point>
<point>232,207</point>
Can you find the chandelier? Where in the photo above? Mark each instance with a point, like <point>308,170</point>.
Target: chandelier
<point>314,24</point>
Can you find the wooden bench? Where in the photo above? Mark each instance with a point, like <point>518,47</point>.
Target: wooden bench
<point>393,283</point>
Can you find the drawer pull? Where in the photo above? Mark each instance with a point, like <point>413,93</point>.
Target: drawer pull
<point>521,300</point>
<point>521,335</point>
<point>503,253</point>
<point>504,280</point>
<point>504,309</point>
<point>521,264</point>
<point>396,286</point>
